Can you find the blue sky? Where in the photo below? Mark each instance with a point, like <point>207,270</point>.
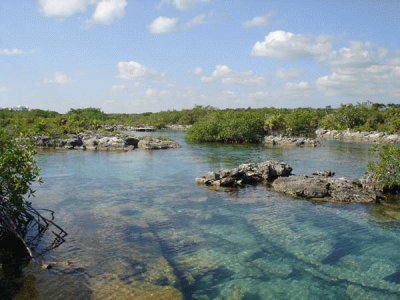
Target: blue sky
<point>137,55</point>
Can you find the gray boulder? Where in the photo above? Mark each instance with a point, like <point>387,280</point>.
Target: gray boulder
<point>73,142</point>
<point>112,143</point>
<point>246,174</point>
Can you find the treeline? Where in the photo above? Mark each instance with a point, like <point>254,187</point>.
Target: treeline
<point>211,124</point>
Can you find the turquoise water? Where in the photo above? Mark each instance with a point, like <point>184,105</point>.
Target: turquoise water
<point>140,228</point>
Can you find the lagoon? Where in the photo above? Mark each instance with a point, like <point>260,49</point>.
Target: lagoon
<point>140,228</point>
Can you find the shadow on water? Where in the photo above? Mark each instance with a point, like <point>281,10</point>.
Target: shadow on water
<point>394,277</point>
<point>152,224</point>
<point>25,233</point>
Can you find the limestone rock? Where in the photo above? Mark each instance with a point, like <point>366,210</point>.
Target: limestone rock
<point>329,189</point>
<point>363,136</point>
<point>246,174</point>
<point>157,144</point>
<point>290,141</point>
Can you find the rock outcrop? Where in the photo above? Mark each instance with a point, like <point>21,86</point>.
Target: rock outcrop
<point>101,142</point>
<point>290,141</point>
<point>151,143</point>
<point>321,186</point>
<point>362,136</point>
<point>326,188</point>
<point>246,174</point>
<point>178,127</point>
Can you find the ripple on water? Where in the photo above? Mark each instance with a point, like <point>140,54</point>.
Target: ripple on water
<point>140,228</point>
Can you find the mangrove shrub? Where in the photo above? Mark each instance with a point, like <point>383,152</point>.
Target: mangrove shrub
<point>386,169</point>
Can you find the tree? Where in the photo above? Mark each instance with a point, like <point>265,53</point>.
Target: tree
<point>385,171</point>
<point>18,169</point>
<point>21,226</point>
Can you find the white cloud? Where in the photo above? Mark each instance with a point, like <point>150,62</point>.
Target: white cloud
<point>198,71</point>
<point>119,87</point>
<point>362,70</point>
<point>357,54</point>
<point>221,70</point>
<point>196,21</point>
<point>63,8</point>
<point>155,93</point>
<point>105,11</point>
<point>302,85</point>
<point>381,81</point>
<point>288,73</point>
<point>10,52</point>
<point>3,89</point>
<point>151,92</point>
<point>58,78</point>
<point>163,25</point>
<point>286,45</point>
<point>257,22</point>
<point>225,75</point>
<point>132,70</point>
<point>108,10</point>
<point>183,4</point>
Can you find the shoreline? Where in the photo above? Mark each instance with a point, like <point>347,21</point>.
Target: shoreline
<point>358,136</point>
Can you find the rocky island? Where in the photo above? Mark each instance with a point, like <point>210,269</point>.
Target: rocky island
<point>101,142</point>
<point>320,186</point>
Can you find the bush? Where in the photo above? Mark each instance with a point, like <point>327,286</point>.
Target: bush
<point>385,171</point>
<point>18,169</point>
<point>231,126</point>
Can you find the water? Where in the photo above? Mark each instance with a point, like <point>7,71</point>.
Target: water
<point>140,228</point>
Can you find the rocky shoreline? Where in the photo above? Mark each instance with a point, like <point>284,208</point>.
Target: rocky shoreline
<point>320,186</point>
<point>359,136</point>
<point>101,142</point>
<point>273,140</point>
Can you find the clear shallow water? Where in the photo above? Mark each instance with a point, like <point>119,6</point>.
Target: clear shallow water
<point>140,228</point>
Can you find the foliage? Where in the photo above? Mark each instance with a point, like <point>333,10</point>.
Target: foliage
<point>303,121</point>
<point>386,170</point>
<point>364,116</point>
<point>276,124</point>
<point>230,126</point>
<point>212,124</point>
<point>18,168</point>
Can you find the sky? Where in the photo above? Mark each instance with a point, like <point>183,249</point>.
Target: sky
<point>131,56</point>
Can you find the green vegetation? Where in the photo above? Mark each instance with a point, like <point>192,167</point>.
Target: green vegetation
<point>231,126</point>
<point>211,124</point>
<point>364,117</point>
<point>18,169</point>
<point>386,169</point>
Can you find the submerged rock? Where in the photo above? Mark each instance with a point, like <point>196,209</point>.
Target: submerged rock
<point>329,189</point>
<point>246,174</point>
<point>290,141</point>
